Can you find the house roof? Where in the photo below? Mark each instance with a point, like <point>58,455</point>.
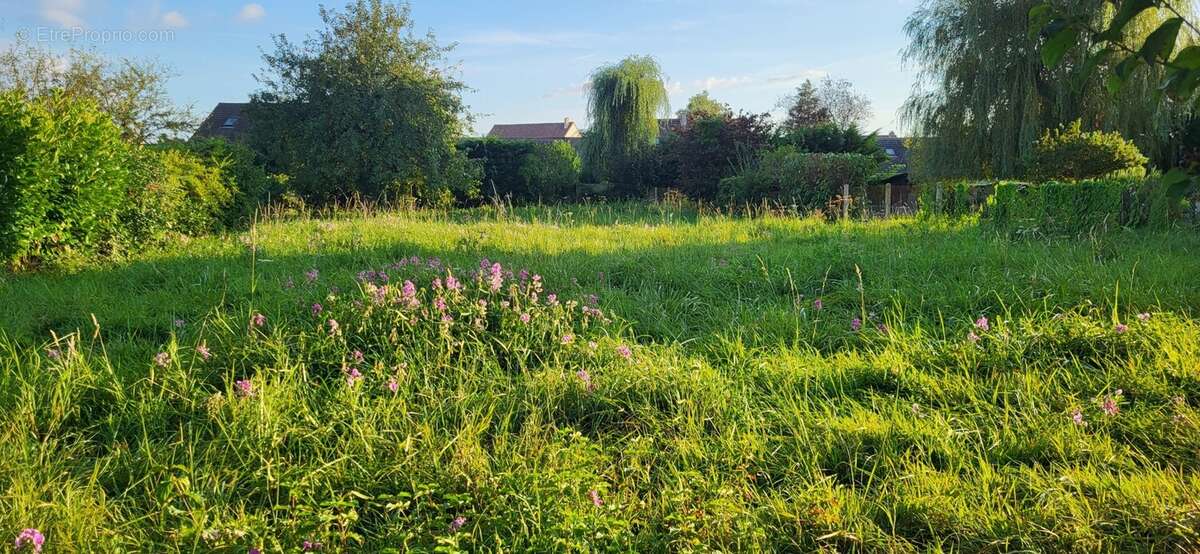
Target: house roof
<point>894,147</point>
<point>225,121</point>
<point>562,130</point>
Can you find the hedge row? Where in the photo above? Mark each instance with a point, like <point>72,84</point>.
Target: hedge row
<point>1054,207</point>
<point>71,186</point>
<point>525,170</point>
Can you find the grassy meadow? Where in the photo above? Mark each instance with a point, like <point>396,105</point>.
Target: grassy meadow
<point>633,377</point>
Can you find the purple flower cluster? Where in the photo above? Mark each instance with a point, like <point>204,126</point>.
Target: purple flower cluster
<point>30,538</point>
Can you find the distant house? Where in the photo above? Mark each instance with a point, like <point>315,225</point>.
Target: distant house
<point>538,132</point>
<point>894,147</point>
<point>226,121</point>
<point>672,126</point>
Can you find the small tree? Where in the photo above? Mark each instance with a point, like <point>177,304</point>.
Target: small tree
<point>624,104</point>
<point>805,108</point>
<point>133,93</point>
<point>702,106</point>
<point>715,148</point>
<point>364,107</point>
<point>1070,153</point>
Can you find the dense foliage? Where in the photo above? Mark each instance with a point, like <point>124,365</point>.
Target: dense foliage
<point>986,95</point>
<point>525,170</point>
<point>702,106</point>
<point>831,139</point>
<point>834,102</point>
<point>1079,207</point>
<point>711,149</point>
<point>1070,153</point>
<point>625,101</point>
<point>363,108</point>
<point>132,92</point>
<point>804,180</point>
<point>65,172</point>
<point>175,193</point>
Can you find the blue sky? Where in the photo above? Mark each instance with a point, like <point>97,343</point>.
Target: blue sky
<point>526,61</point>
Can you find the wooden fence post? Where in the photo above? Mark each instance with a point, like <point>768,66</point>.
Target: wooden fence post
<point>937,193</point>
<point>845,200</point>
<point>887,199</point>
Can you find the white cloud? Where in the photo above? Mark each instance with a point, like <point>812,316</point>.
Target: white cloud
<point>66,13</point>
<point>174,20</point>
<point>251,13</point>
<point>576,89</point>
<point>714,83</point>
<point>798,76</point>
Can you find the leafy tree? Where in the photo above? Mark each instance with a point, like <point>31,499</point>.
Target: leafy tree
<point>624,103</point>
<point>715,148</point>
<point>830,139</point>
<point>133,93</point>
<point>834,102</point>
<point>805,108</point>
<point>987,95</point>
<point>847,108</point>
<point>364,107</point>
<point>1070,153</point>
<point>702,106</point>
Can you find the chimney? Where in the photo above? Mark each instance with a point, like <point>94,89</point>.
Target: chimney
<point>567,122</point>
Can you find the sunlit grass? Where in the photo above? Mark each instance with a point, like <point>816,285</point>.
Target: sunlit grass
<point>745,417</point>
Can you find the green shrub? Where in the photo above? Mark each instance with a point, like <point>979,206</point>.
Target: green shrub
<point>525,170</point>
<point>831,139</point>
<point>178,193</point>
<point>247,179</point>
<point>1071,154</point>
<point>954,198</point>
<point>63,175</point>
<point>715,148</point>
<point>808,181</point>
<point>1078,207</point>
<point>551,171</point>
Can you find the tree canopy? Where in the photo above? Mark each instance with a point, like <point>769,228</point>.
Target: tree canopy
<point>985,96</point>
<point>365,106</point>
<point>834,102</point>
<point>702,106</point>
<point>132,92</point>
<point>625,101</point>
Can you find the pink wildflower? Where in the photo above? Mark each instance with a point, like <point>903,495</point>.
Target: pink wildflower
<point>312,275</point>
<point>440,304</point>
<point>333,326</point>
<point>317,309</point>
<point>1109,406</point>
<point>568,338</point>
<point>855,324</point>
<point>452,283</point>
<point>358,356</point>
<point>1077,418</point>
<point>552,299</point>
<point>1143,317</point>
<point>1121,328</point>
<point>624,351</point>
<point>525,318</point>
<point>258,320</point>
<point>162,359</point>
<point>586,378</point>
<point>594,495</point>
<point>818,305</point>
<point>982,323</point>
<point>203,351</point>
<point>972,337</point>
<point>393,385</point>
<point>497,277</point>
<point>31,538</point>
<point>245,387</point>
<point>311,546</point>
<point>352,376</point>
<point>458,521</point>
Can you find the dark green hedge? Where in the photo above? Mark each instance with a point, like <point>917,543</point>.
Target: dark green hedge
<point>1057,207</point>
<point>524,170</point>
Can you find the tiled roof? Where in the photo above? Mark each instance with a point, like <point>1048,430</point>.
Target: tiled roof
<point>894,147</point>
<point>226,121</point>
<point>535,131</point>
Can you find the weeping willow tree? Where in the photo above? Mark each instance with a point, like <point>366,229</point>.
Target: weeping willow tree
<point>624,103</point>
<point>983,95</point>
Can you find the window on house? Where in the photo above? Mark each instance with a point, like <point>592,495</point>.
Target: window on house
<point>891,152</point>
<point>229,122</point>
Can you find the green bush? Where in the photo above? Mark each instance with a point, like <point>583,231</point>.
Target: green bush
<point>1078,207</point>
<point>954,198</point>
<point>831,139</point>
<point>525,170</point>
<point>247,179</point>
<point>63,175</point>
<point>177,193</point>
<point>551,171</point>
<point>808,181</point>
<point>1071,154</point>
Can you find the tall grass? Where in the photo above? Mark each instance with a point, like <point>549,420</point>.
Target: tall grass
<point>199,399</point>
